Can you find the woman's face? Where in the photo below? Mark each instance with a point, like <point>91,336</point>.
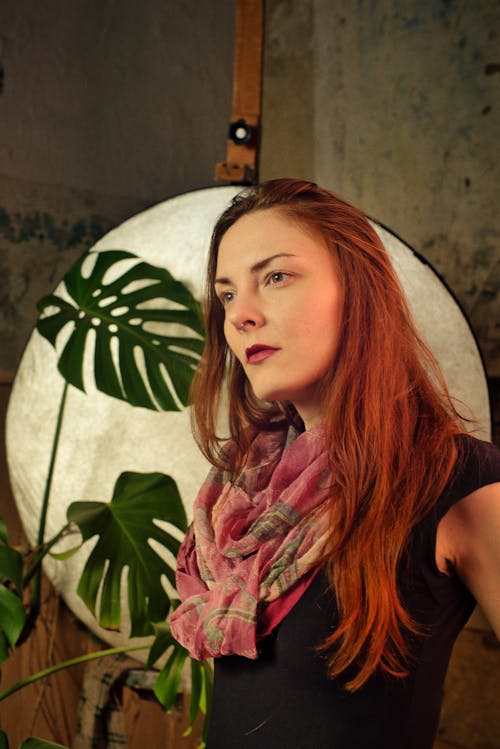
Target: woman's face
<point>283,304</point>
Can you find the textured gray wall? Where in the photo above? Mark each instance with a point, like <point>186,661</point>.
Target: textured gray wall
<point>394,105</point>
<point>105,108</point>
<point>118,98</point>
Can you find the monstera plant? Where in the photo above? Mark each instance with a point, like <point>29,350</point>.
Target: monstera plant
<point>114,304</point>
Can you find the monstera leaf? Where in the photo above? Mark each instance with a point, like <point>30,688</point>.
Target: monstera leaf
<point>168,683</point>
<point>12,613</point>
<point>12,618</point>
<point>129,322</point>
<point>125,527</point>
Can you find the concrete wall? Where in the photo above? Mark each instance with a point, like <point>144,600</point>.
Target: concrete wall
<point>394,105</point>
<point>105,108</point>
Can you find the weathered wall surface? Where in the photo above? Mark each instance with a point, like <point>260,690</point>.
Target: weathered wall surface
<point>115,97</point>
<point>394,105</point>
<point>105,108</point>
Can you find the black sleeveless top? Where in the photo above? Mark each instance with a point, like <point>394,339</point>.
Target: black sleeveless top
<point>285,699</point>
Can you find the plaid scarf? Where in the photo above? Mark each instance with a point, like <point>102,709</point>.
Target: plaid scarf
<point>254,545</point>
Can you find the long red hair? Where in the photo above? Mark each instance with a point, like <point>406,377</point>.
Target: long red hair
<point>390,423</point>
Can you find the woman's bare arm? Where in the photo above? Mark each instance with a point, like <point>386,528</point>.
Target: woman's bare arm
<point>469,540</point>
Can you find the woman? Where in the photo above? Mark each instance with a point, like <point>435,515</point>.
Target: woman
<point>348,526</point>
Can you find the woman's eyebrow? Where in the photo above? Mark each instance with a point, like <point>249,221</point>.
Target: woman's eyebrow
<point>257,266</point>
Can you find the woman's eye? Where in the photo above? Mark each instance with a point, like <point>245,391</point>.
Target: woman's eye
<point>226,297</point>
<point>277,277</point>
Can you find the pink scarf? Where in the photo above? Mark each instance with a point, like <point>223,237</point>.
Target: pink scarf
<point>254,546</point>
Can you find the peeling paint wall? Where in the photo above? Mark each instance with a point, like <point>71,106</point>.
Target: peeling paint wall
<point>43,230</point>
<point>105,109</point>
<point>394,105</point>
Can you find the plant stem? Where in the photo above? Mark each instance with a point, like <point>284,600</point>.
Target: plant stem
<point>41,553</point>
<point>48,485</point>
<point>37,581</point>
<point>67,664</point>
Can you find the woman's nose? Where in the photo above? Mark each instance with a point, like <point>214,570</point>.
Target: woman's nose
<point>246,313</point>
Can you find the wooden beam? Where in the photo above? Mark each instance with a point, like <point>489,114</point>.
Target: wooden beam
<point>241,164</point>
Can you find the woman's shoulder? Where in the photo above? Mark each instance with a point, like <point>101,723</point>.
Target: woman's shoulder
<point>479,459</point>
<point>468,538</point>
<point>477,465</point>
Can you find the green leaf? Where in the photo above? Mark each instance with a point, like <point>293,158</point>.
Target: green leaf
<point>3,532</point>
<point>206,697</point>
<point>168,680</point>
<point>162,642</point>
<point>197,688</point>
<point>127,312</point>
<point>4,649</point>
<point>4,741</point>
<point>11,566</point>
<point>61,556</point>
<point>33,743</point>
<point>167,684</point>
<point>124,527</point>
<point>12,615</point>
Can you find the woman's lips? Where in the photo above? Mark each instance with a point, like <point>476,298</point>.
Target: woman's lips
<point>258,353</point>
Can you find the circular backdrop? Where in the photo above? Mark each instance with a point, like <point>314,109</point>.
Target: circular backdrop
<point>102,437</point>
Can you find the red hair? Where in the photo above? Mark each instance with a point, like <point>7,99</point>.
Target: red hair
<point>390,423</point>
